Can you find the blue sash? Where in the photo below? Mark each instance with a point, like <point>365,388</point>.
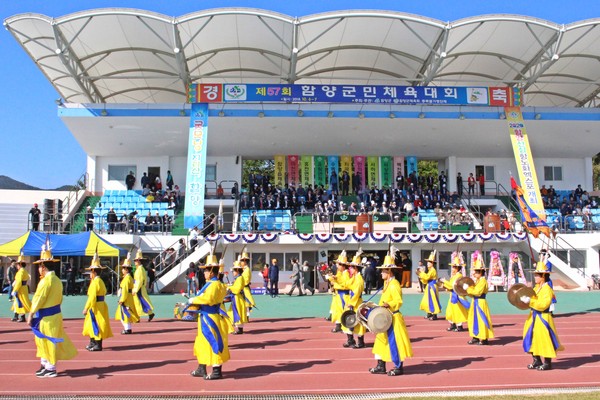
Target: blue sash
<point>342,293</point>
<point>455,298</point>
<point>209,328</point>
<point>35,323</point>
<point>478,313</point>
<point>99,298</point>
<point>18,299</point>
<point>393,346</point>
<point>528,338</point>
<point>125,311</point>
<point>94,322</point>
<point>145,306</point>
<point>432,294</point>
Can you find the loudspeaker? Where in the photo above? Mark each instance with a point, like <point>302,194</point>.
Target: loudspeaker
<point>399,229</point>
<point>338,230</point>
<point>323,254</point>
<point>237,160</point>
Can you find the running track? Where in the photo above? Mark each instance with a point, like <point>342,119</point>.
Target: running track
<point>298,356</point>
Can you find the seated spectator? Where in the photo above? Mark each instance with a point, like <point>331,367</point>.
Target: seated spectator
<point>156,223</point>
<point>146,190</point>
<point>150,197</point>
<point>172,204</point>
<point>167,223</point>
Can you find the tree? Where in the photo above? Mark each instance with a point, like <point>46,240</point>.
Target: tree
<point>263,167</point>
<point>596,172</point>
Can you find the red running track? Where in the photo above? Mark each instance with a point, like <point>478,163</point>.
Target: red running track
<point>298,356</point>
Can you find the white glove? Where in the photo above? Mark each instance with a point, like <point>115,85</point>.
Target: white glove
<point>190,301</point>
<point>13,294</point>
<point>465,286</point>
<point>525,299</point>
<point>327,276</point>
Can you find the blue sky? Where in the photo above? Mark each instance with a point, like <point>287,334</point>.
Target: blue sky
<point>39,150</point>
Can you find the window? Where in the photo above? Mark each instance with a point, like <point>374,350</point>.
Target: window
<point>490,173</point>
<point>553,173</point>
<point>119,172</point>
<point>211,172</point>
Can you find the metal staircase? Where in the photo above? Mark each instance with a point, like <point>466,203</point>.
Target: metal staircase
<point>568,263</point>
<point>169,275</point>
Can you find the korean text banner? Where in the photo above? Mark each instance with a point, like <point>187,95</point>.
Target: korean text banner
<point>320,171</point>
<point>193,213</point>
<point>386,171</point>
<point>333,168</point>
<point>280,170</point>
<point>306,170</point>
<point>524,160</point>
<point>293,171</point>
<point>281,93</point>
<point>373,171</point>
<point>359,170</point>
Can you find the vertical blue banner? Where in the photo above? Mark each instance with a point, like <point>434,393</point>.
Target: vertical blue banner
<point>193,213</point>
<point>411,165</point>
<point>333,165</point>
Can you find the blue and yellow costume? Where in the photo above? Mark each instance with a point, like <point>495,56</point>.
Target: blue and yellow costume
<point>20,292</point>
<point>238,305</point>
<point>394,344</point>
<point>356,286</point>
<point>539,333</point>
<point>126,311</point>
<point>96,324</point>
<point>247,275</point>
<point>480,321</point>
<point>457,309</point>
<point>430,303</point>
<point>341,293</point>
<point>141,300</point>
<point>211,345</point>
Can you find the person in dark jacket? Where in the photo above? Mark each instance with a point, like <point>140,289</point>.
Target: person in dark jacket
<point>274,278</point>
<point>370,274</point>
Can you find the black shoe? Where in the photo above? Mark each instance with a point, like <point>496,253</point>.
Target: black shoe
<point>483,342</point>
<point>97,346</point>
<point>396,372</point>
<point>47,374</point>
<point>91,344</point>
<point>473,341</point>
<point>313,292</point>
<point>537,362</point>
<point>239,331</point>
<point>546,366</point>
<point>150,317</point>
<point>452,327</point>
<point>21,318</point>
<point>428,316</point>
<point>216,374</point>
<point>338,328</point>
<point>433,317</point>
<point>126,332</point>
<point>199,372</point>
<point>39,371</point>
<point>459,328</point>
<point>360,343</point>
<point>15,318</point>
<point>379,369</point>
<point>350,342</point>
<point>328,318</point>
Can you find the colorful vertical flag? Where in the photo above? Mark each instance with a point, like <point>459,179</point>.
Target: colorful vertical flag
<point>532,223</point>
<point>387,173</point>
<point>293,171</point>
<point>359,168</point>
<point>193,213</point>
<point>306,170</point>
<point>373,171</point>
<point>279,171</point>
<point>320,171</point>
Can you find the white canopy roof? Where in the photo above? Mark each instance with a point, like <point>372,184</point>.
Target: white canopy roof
<point>135,56</point>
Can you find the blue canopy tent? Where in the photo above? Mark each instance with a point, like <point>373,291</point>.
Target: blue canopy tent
<point>80,244</point>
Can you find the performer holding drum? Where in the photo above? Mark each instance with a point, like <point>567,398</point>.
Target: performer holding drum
<point>539,333</point>
<point>457,308</point>
<point>430,302</point>
<point>211,346</point>
<point>480,322</point>
<point>356,285</point>
<point>341,293</point>
<point>392,345</point>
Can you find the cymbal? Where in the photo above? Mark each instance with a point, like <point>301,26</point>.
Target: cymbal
<point>516,291</point>
<point>459,283</point>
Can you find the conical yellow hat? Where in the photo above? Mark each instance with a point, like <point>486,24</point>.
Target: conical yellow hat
<point>46,255</point>
<point>431,257</point>
<point>139,256</point>
<point>21,259</point>
<point>211,261</point>
<point>342,258</point>
<point>127,261</point>
<point>95,263</point>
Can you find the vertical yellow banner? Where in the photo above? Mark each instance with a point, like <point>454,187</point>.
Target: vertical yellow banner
<point>280,171</point>
<point>346,164</point>
<point>524,160</point>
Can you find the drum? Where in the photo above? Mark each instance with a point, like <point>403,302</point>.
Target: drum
<point>375,318</point>
<point>185,311</point>
<point>516,291</point>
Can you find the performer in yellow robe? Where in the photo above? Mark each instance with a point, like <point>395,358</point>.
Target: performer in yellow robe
<point>430,303</point>
<point>45,318</point>
<point>480,321</point>
<point>211,346</point>
<point>539,333</point>
<point>143,305</point>
<point>237,308</point>
<point>247,275</point>
<point>20,292</point>
<point>457,309</point>
<point>126,311</point>
<point>96,324</point>
<point>394,344</point>
<point>340,291</point>
<point>356,286</point>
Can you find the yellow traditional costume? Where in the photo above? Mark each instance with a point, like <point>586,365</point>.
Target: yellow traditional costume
<point>126,311</point>
<point>247,275</point>
<point>211,344</point>
<point>20,292</point>
<point>356,286</point>
<point>539,333</point>
<point>96,324</point>
<point>457,309</point>
<point>480,321</point>
<point>430,303</point>
<point>143,305</point>
<point>238,305</point>
<point>341,294</point>
<point>394,344</point>
<point>46,319</point>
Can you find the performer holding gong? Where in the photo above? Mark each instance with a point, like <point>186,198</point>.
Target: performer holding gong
<point>457,308</point>
<point>394,344</point>
<point>539,333</point>
<point>356,285</point>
